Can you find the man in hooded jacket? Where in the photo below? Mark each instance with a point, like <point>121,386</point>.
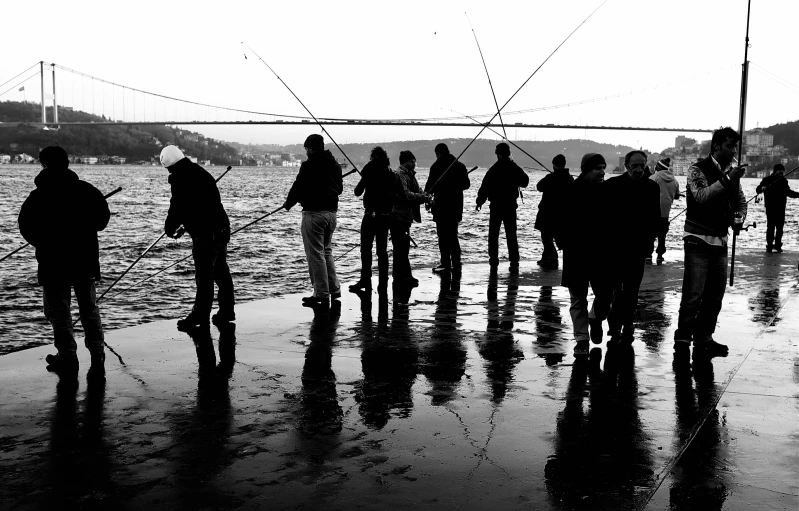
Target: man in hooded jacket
<point>669,192</point>
<point>196,208</point>
<point>501,186</point>
<point>447,180</point>
<point>551,187</point>
<point>61,219</point>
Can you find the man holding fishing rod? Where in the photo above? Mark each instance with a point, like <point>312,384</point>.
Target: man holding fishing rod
<point>776,191</point>
<point>715,203</point>
<point>196,207</point>
<point>61,219</point>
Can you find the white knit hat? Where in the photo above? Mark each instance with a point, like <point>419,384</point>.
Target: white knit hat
<point>170,155</point>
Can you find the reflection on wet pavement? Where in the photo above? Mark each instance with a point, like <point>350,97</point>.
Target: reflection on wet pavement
<point>456,394</point>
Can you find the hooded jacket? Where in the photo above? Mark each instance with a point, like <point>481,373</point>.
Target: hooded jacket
<point>552,186</point>
<point>448,193</point>
<point>195,202</point>
<point>406,205</point>
<point>61,219</point>
<point>378,185</point>
<point>318,184</point>
<point>669,190</point>
<point>501,184</point>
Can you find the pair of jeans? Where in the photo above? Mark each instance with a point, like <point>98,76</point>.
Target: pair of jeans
<point>497,217</point>
<point>57,298</point>
<point>550,253</point>
<point>400,240</point>
<point>703,286</point>
<point>317,236</point>
<point>374,228</point>
<point>774,228</point>
<point>578,309</point>
<point>623,286</point>
<point>210,265</point>
<point>448,243</point>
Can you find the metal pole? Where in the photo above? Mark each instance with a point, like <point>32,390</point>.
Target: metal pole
<point>41,74</point>
<point>55,102</point>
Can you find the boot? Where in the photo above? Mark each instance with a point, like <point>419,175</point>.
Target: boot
<point>97,369</point>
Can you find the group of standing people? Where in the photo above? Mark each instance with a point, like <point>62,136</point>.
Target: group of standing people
<point>606,229</point>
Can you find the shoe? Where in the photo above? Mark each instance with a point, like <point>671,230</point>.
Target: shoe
<point>412,282</point>
<point>709,349</point>
<point>660,260</point>
<point>627,336</point>
<point>97,369</point>
<point>769,249</point>
<point>58,364</point>
<point>596,330</point>
<point>581,349</point>
<point>192,320</point>
<point>441,269</point>
<point>336,295</point>
<point>778,250</point>
<point>312,301</point>
<point>222,317</point>
<point>648,260</point>
<point>366,285</point>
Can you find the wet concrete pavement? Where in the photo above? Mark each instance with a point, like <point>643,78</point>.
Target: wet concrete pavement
<point>461,395</point>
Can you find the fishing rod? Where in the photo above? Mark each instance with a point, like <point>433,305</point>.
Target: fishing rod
<point>515,93</point>
<point>472,170</point>
<point>509,141</point>
<point>142,255</point>
<point>785,176</point>
<point>106,196</point>
<point>490,85</point>
<point>303,105</point>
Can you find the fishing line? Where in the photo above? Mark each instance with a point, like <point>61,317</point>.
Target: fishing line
<point>517,91</point>
<point>303,105</point>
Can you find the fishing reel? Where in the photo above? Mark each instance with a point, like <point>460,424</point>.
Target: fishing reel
<point>753,225</point>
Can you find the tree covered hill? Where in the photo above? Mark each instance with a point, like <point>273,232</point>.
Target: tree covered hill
<point>786,134</point>
<point>135,142</point>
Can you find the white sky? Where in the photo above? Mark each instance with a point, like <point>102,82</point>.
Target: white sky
<point>418,59</point>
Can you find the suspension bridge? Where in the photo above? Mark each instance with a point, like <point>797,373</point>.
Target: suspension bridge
<point>61,89</point>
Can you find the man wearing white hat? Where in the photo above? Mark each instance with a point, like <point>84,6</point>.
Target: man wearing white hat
<point>669,192</point>
<point>196,207</point>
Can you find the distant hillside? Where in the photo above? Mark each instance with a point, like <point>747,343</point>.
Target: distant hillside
<point>481,153</point>
<point>786,134</point>
<point>135,142</point>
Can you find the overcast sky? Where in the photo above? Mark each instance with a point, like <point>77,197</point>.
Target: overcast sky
<point>680,61</point>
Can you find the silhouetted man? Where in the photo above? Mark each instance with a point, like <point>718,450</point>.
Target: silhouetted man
<point>450,178</point>
<point>776,191</point>
<point>196,208</point>
<point>633,222</point>
<point>669,191</point>
<point>714,196</point>
<point>61,219</point>
<point>378,187</point>
<point>501,187</point>
<point>551,187</point>
<point>316,188</point>
<point>406,211</point>
<point>580,235</point>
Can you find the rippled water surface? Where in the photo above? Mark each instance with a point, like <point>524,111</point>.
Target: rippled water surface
<point>266,260</point>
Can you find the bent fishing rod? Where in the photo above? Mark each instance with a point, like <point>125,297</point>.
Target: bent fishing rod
<point>106,196</point>
<point>515,93</point>
<point>303,105</point>
<point>142,255</point>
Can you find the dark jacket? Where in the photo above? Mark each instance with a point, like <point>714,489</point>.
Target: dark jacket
<point>632,208</point>
<point>712,198</point>
<point>318,184</point>
<point>776,191</point>
<point>378,185</point>
<point>579,232</point>
<point>448,193</point>
<point>61,219</point>
<point>501,184</point>
<point>408,199</point>
<point>552,187</point>
<point>195,202</point>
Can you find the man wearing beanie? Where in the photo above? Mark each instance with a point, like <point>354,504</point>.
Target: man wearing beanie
<point>406,211</point>
<point>501,187</point>
<point>316,188</point>
<point>669,191</point>
<point>196,208</point>
<point>633,208</point>
<point>378,186</point>
<point>776,191</point>
<point>61,219</point>
<point>551,187</point>
<point>714,197</point>
<point>450,178</point>
<point>581,238</point>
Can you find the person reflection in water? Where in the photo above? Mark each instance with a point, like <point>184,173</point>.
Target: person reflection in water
<point>204,428</point>
<point>700,479</point>
<point>602,456</point>
<point>321,418</point>
<point>765,305</point>
<point>549,328</point>
<point>499,349</point>
<point>443,356</point>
